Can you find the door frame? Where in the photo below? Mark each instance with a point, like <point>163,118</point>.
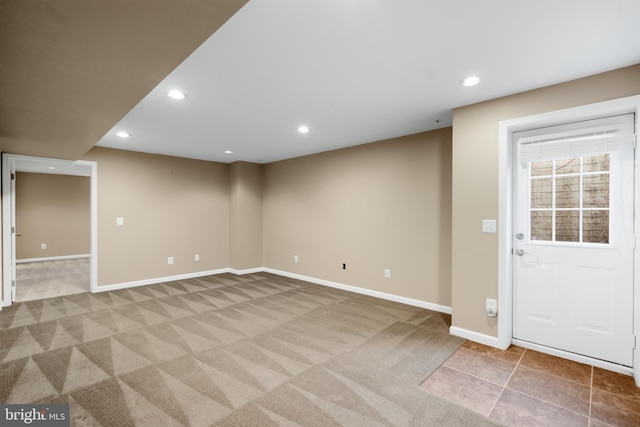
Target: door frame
<point>505,220</point>
<point>47,166</point>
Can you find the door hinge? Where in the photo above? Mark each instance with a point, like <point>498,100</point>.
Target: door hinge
<point>13,229</point>
<point>13,283</point>
<point>633,341</point>
<point>13,176</point>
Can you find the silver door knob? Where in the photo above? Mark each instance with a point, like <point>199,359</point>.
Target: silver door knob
<point>521,252</point>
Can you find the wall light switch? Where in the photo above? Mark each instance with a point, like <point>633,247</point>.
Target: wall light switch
<point>120,220</point>
<point>295,259</point>
<point>387,273</point>
<point>43,246</point>
<point>170,260</point>
<point>488,225</point>
<point>196,257</point>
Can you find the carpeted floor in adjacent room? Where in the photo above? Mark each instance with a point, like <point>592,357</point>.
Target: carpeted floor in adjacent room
<point>252,350</point>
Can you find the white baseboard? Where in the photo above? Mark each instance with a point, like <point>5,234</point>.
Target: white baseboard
<point>355,289</point>
<point>124,285</point>
<point>377,294</point>
<point>476,337</point>
<point>246,271</point>
<point>52,258</point>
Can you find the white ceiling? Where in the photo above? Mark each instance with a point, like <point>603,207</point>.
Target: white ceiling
<point>358,71</point>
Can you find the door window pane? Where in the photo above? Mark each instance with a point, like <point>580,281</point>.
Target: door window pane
<point>596,191</point>
<point>568,166</point>
<point>568,192</point>
<point>541,225</point>
<point>596,163</point>
<point>595,226</point>
<point>542,193</point>
<point>568,226</point>
<point>542,168</point>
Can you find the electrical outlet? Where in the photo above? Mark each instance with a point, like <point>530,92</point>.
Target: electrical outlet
<point>197,257</point>
<point>387,273</point>
<point>119,220</point>
<point>492,307</point>
<point>170,260</point>
<point>295,259</point>
<point>43,246</point>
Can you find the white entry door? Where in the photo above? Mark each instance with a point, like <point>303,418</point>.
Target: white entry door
<point>573,238</point>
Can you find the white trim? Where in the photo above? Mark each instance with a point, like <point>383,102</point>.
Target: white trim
<point>506,128</point>
<point>349,288</point>
<point>7,214</point>
<point>355,289</point>
<point>155,280</point>
<point>246,271</point>
<point>476,337</point>
<point>93,272</point>
<point>41,165</point>
<point>52,258</point>
<point>575,357</point>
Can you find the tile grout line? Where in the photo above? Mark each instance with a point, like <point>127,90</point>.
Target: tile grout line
<point>507,382</point>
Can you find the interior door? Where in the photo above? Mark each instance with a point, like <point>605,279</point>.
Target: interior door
<point>574,239</point>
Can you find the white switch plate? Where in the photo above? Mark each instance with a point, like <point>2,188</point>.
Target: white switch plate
<point>387,273</point>
<point>197,257</point>
<point>120,220</point>
<point>295,259</point>
<point>170,260</point>
<point>488,225</point>
<point>43,246</point>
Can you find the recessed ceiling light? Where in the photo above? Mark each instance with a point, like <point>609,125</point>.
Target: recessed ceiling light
<point>303,129</point>
<point>123,134</point>
<point>176,94</point>
<point>228,152</point>
<point>471,81</point>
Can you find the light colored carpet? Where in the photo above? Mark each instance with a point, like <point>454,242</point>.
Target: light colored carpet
<point>252,350</point>
<point>46,279</point>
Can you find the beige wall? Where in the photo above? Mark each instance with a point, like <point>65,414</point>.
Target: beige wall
<point>374,206</point>
<point>245,215</point>
<point>55,210</point>
<point>171,207</point>
<point>475,182</point>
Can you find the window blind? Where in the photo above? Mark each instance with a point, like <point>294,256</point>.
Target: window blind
<point>591,137</point>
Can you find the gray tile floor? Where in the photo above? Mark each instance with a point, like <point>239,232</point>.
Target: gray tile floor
<point>45,279</point>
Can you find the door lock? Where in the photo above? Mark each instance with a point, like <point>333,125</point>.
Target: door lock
<point>521,252</point>
<point>519,236</point>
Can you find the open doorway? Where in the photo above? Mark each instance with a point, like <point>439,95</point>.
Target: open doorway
<point>53,235</point>
<point>64,262</point>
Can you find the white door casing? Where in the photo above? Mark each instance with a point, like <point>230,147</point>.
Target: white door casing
<point>12,163</point>
<point>573,284</point>
<point>12,221</point>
